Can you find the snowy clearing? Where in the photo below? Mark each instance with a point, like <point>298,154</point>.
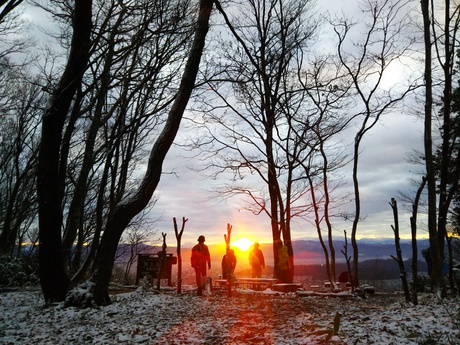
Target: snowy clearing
<point>248,317</point>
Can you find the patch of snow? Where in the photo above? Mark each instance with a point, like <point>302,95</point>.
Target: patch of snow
<point>247,317</point>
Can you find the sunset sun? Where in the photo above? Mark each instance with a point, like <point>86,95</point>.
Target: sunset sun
<point>243,244</point>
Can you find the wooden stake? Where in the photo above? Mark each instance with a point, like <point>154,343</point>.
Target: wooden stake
<point>179,257</point>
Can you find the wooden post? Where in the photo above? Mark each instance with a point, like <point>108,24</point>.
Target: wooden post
<point>227,246</point>
<point>162,260</point>
<point>179,257</point>
<point>227,237</point>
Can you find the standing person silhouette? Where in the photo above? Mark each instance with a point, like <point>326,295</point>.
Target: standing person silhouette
<point>200,257</point>
<point>257,261</point>
<point>228,265</point>
<point>283,262</point>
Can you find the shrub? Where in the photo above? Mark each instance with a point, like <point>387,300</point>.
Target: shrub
<point>21,271</point>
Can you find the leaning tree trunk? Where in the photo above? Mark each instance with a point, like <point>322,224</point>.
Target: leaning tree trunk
<point>53,278</point>
<point>126,210</point>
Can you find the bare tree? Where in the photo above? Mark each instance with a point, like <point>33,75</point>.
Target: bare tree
<point>329,93</point>
<point>123,103</point>
<point>384,43</point>
<point>446,43</point>
<point>132,77</point>
<point>441,25</point>
<point>7,6</point>
<point>428,144</point>
<point>126,209</point>
<point>53,278</point>
<point>21,104</point>
<point>134,242</point>
<point>254,91</point>
<point>19,100</point>
<point>12,36</point>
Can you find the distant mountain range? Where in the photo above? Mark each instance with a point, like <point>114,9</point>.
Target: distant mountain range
<point>374,257</point>
<point>310,251</point>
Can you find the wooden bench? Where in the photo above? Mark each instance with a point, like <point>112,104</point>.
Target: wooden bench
<point>250,283</point>
<point>256,283</point>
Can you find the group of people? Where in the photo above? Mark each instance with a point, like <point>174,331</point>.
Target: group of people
<point>201,259</point>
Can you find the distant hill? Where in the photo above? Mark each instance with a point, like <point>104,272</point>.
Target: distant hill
<point>311,252</point>
<point>374,257</point>
<point>308,250</point>
<point>375,269</point>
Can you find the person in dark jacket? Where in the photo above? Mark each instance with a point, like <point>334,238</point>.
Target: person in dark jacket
<point>200,259</point>
<point>228,264</point>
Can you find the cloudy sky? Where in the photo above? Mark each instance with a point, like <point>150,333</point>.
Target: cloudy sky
<point>383,173</point>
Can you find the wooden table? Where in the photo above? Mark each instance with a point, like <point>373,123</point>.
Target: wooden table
<point>256,283</point>
<point>251,283</point>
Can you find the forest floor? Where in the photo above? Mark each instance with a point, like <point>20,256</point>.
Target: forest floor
<point>145,316</point>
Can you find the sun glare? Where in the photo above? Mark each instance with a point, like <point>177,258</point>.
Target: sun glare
<point>242,244</point>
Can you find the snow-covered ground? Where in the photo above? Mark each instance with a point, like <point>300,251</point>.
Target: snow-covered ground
<point>247,317</point>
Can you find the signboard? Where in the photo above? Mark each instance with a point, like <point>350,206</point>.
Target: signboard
<point>148,266</point>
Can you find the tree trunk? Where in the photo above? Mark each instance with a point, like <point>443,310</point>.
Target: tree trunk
<point>436,274</point>
<point>78,199</point>
<point>326,214</point>
<point>354,230</point>
<point>447,66</point>
<point>450,265</point>
<point>413,226</point>
<point>126,210</point>
<point>10,229</point>
<point>329,274</point>
<point>399,258</point>
<point>53,278</point>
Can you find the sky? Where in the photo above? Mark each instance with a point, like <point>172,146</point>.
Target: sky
<point>383,173</point>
